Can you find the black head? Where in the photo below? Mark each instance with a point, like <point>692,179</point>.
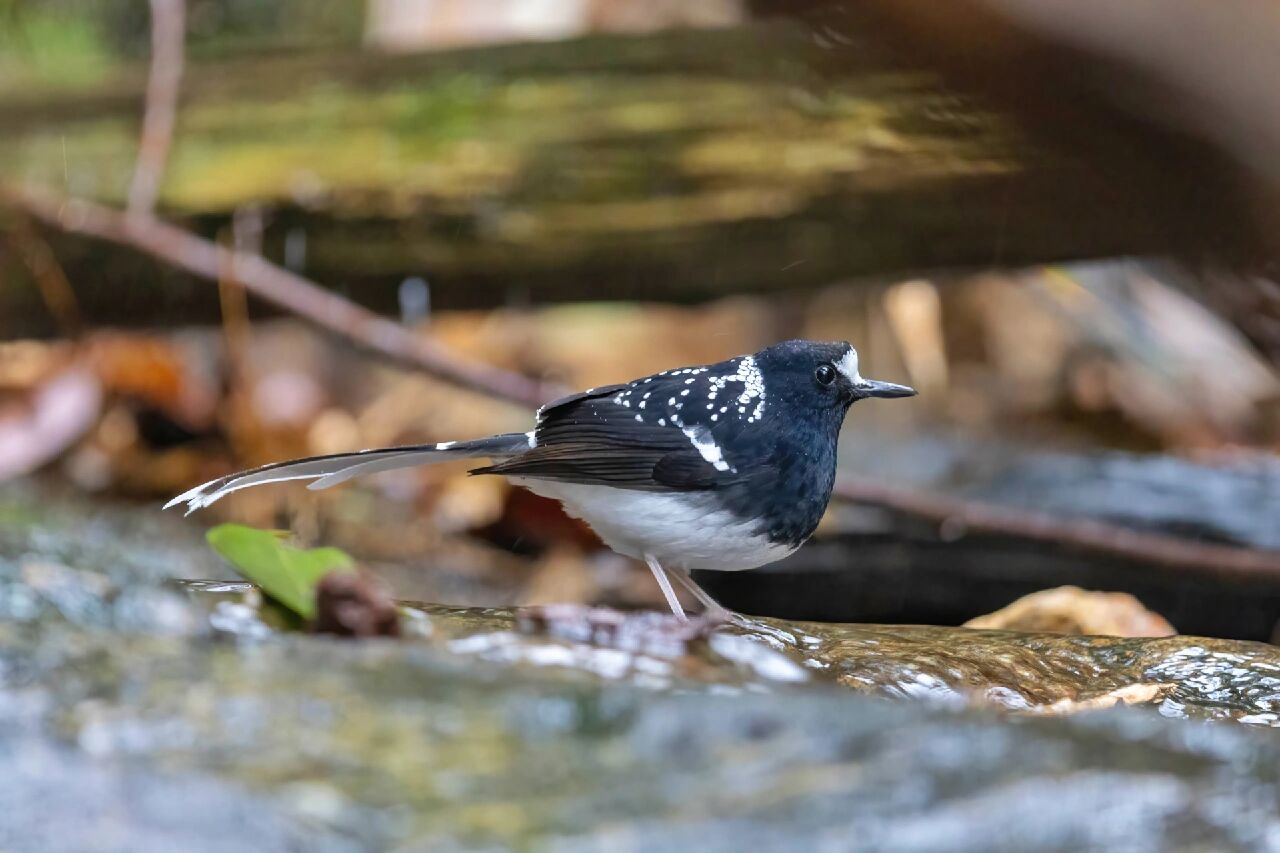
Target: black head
<point>822,375</point>
<point>808,386</point>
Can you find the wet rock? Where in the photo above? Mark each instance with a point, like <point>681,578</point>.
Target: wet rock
<point>604,627</point>
<point>1211,679</point>
<point>299,741</point>
<point>579,729</point>
<point>1196,677</point>
<point>692,648</point>
<point>127,542</point>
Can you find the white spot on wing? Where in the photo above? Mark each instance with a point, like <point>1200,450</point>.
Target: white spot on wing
<point>533,441</point>
<point>706,446</point>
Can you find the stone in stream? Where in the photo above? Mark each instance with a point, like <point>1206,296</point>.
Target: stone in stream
<point>128,723</point>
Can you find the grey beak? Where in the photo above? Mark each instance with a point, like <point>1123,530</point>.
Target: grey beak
<point>872,388</point>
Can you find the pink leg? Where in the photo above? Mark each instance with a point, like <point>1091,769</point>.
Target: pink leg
<point>711,607</point>
<point>660,575</point>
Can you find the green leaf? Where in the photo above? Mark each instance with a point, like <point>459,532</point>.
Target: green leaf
<point>287,574</point>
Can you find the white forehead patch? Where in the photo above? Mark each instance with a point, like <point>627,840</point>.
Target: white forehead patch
<point>848,366</point>
<point>702,441</point>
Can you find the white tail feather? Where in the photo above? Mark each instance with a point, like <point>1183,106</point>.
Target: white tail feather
<point>329,471</point>
<point>405,460</point>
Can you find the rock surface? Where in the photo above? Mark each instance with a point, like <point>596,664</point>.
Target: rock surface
<point>140,714</point>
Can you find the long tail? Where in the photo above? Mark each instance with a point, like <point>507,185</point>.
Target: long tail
<point>336,468</point>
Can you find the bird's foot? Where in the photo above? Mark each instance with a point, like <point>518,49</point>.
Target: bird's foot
<point>717,615</point>
<point>603,626</point>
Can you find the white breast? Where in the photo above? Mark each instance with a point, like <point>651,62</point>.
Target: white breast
<point>681,530</point>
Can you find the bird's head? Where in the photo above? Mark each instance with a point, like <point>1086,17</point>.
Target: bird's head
<point>820,375</point>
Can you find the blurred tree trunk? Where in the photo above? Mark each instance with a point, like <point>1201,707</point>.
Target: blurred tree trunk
<point>682,165</point>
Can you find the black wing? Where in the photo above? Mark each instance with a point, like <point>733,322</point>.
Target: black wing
<point>659,433</point>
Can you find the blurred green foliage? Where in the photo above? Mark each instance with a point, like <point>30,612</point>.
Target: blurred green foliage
<point>60,43</point>
<point>43,44</point>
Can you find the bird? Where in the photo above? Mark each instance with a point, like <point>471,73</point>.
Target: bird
<point>725,466</point>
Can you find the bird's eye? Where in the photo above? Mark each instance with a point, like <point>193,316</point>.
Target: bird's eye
<point>825,374</point>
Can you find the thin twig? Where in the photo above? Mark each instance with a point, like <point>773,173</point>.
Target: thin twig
<point>959,515</point>
<point>278,286</point>
<point>48,275</point>
<point>168,34</point>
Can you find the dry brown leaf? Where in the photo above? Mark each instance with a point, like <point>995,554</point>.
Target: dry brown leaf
<point>156,372</point>
<point>24,365</point>
<point>1130,694</point>
<point>1071,610</point>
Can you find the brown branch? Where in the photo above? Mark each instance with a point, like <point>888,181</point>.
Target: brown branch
<point>292,292</point>
<point>956,516</point>
<point>278,286</point>
<point>168,33</point>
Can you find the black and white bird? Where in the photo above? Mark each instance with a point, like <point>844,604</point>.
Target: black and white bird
<point>726,466</point>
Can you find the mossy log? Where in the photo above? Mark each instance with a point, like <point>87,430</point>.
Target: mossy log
<point>678,166</point>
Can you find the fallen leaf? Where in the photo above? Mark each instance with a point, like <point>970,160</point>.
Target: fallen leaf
<point>1071,610</point>
<point>53,416</point>
<point>157,373</point>
<point>287,574</point>
<point>1130,694</point>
